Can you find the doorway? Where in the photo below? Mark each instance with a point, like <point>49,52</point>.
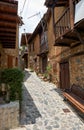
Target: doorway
<point>44,63</point>
<point>64,75</point>
<point>10,61</point>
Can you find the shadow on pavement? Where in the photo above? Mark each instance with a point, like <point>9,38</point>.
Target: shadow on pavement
<point>27,75</point>
<point>58,91</point>
<point>29,110</point>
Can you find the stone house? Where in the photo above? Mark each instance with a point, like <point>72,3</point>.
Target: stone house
<point>9,35</point>
<point>68,61</point>
<point>65,44</point>
<point>24,50</point>
<point>38,45</point>
<point>44,50</point>
<point>33,49</point>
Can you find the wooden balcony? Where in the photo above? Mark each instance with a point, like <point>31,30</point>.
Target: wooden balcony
<point>43,44</point>
<point>44,48</point>
<point>63,24</point>
<point>68,33</point>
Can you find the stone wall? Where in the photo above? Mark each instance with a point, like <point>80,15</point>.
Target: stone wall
<point>33,59</point>
<point>54,51</point>
<point>9,116</point>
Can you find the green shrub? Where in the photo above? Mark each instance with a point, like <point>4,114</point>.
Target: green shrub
<point>48,68</point>
<point>14,78</point>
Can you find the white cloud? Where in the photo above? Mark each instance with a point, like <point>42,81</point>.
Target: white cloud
<point>31,7</point>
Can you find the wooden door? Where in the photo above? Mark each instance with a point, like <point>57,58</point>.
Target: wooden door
<point>64,75</point>
<point>10,61</point>
<point>16,62</point>
<point>44,63</point>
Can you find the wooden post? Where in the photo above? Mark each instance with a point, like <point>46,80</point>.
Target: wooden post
<point>53,18</point>
<point>71,14</point>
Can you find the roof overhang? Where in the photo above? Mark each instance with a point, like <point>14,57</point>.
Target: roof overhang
<point>55,3</point>
<point>8,23</point>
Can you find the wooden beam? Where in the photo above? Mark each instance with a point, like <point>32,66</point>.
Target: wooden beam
<point>7,38</point>
<point>79,36</point>
<point>8,17</point>
<point>10,8</point>
<point>3,32</point>
<point>7,29</point>
<point>10,1</point>
<point>7,24</point>
<point>62,44</point>
<point>8,41</point>
<point>9,46</point>
<point>56,3</point>
<point>71,14</point>
<point>71,38</point>
<point>7,34</point>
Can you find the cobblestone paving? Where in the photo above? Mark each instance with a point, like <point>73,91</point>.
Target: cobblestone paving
<point>44,109</point>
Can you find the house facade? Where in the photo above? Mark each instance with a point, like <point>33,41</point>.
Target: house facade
<point>69,42</point>
<point>38,45</point>
<point>33,50</point>
<point>9,35</point>
<point>24,50</point>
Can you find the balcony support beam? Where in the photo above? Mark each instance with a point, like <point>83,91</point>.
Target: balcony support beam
<point>79,36</point>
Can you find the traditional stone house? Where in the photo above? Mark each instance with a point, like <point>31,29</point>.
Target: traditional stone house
<point>33,50</point>
<point>24,50</point>
<point>69,41</point>
<point>44,43</point>
<point>9,26</point>
<point>38,45</point>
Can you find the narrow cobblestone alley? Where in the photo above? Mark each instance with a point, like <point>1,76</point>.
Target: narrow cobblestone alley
<point>43,107</point>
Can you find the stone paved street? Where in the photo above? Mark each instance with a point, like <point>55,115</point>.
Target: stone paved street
<point>44,109</point>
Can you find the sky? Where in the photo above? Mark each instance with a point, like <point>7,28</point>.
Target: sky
<point>31,8</point>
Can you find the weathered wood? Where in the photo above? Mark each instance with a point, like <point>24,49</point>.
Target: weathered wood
<point>74,101</point>
<point>76,96</point>
<point>71,14</point>
<point>79,36</point>
<point>8,17</point>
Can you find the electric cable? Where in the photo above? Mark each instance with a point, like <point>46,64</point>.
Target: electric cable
<point>23,7</point>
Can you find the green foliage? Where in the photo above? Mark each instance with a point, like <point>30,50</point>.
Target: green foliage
<point>14,78</point>
<point>47,74</point>
<point>48,68</point>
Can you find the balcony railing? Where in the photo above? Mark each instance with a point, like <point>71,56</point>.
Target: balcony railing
<point>66,21</point>
<point>63,24</point>
<point>44,42</point>
<point>44,47</point>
